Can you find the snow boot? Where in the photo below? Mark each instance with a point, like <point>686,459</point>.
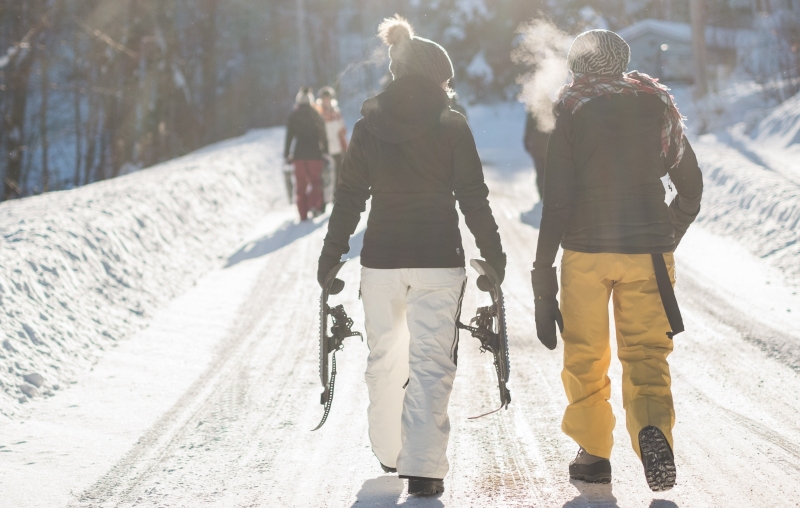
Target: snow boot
<point>420,486</point>
<point>590,468</point>
<point>657,458</point>
<point>387,469</point>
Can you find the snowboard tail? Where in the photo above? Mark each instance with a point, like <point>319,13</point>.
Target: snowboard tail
<point>489,327</point>
<point>329,344</point>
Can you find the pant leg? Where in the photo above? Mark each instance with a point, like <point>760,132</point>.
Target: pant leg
<point>585,291</point>
<point>643,347</point>
<point>301,187</point>
<point>433,303</point>
<point>383,293</point>
<point>315,180</point>
<point>338,159</point>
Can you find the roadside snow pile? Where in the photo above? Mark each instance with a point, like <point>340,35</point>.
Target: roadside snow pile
<point>80,270</point>
<point>781,128</point>
<point>751,169</point>
<point>751,203</point>
<point>775,140</point>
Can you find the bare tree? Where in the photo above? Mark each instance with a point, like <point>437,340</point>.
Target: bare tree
<point>208,43</point>
<point>18,76</point>
<point>698,13</point>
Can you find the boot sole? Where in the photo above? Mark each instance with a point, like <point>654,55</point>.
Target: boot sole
<point>657,458</point>
<point>426,492</point>
<point>424,488</point>
<point>598,478</point>
<point>598,472</point>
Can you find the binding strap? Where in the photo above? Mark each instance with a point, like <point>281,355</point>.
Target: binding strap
<point>667,293</point>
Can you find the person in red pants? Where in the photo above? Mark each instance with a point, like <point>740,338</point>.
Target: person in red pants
<point>307,127</point>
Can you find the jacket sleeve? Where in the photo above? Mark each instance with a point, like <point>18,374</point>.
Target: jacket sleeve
<point>472,194</point>
<point>559,192</point>
<point>352,193</point>
<point>290,134</point>
<point>688,181</point>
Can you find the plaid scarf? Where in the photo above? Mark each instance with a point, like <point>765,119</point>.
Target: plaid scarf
<point>588,86</point>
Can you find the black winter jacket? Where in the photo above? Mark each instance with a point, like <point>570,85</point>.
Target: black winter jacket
<point>307,125</point>
<point>603,191</point>
<point>415,157</point>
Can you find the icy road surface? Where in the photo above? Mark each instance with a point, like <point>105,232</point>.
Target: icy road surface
<point>213,403</point>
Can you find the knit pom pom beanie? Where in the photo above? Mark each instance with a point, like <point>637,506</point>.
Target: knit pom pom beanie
<point>413,55</point>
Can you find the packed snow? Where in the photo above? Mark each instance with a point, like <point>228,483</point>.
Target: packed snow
<point>207,393</point>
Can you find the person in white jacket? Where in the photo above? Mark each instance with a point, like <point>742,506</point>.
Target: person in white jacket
<point>336,131</point>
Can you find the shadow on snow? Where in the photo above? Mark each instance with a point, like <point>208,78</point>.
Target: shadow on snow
<point>289,232</point>
<point>386,490</point>
<point>600,495</point>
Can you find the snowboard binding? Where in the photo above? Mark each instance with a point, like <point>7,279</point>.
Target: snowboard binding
<point>489,327</point>
<point>341,327</point>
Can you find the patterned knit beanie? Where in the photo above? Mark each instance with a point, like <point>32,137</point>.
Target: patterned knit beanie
<point>599,52</point>
<point>412,55</point>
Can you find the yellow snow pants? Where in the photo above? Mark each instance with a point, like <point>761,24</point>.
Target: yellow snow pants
<point>587,283</point>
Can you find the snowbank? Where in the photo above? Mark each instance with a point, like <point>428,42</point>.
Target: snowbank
<point>775,140</point>
<point>751,168</point>
<point>80,270</point>
<point>748,201</point>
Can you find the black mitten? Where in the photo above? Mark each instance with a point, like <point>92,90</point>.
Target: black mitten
<point>326,263</point>
<point>498,264</point>
<point>545,289</point>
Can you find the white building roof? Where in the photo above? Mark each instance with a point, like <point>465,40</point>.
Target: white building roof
<point>715,36</point>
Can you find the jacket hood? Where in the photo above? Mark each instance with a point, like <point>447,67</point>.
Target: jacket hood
<point>409,107</point>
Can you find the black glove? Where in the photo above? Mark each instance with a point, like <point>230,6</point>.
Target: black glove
<point>324,266</point>
<point>545,289</point>
<point>499,266</point>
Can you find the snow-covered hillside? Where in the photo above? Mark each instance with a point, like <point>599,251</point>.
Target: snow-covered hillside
<point>82,270</point>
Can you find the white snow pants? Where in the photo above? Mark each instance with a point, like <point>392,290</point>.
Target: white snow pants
<point>410,320</point>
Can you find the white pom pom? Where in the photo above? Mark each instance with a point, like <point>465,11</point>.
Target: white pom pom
<point>395,30</point>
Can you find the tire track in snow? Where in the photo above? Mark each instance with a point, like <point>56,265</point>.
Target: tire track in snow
<point>213,385</point>
<point>782,346</point>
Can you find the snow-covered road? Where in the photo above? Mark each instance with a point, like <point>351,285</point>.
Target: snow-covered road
<point>213,403</point>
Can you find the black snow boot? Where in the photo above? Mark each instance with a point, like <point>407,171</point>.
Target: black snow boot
<point>590,468</point>
<point>421,486</point>
<point>387,469</point>
<point>657,458</point>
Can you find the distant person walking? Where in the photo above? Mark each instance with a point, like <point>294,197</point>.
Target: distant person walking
<point>336,130</point>
<point>306,126</point>
<point>535,141</point>
<point>416,158</point>
<point>616,135</point>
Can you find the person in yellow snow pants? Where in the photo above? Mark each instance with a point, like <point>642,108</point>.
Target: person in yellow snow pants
<point>616,135</point>
<point>588,282</point>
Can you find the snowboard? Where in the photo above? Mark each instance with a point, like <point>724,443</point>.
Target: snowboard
<point>489,327</point>
<point>331,339</point>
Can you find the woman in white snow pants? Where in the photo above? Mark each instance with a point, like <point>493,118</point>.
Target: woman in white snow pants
<point>410,317</point>
<point>415,158</point>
